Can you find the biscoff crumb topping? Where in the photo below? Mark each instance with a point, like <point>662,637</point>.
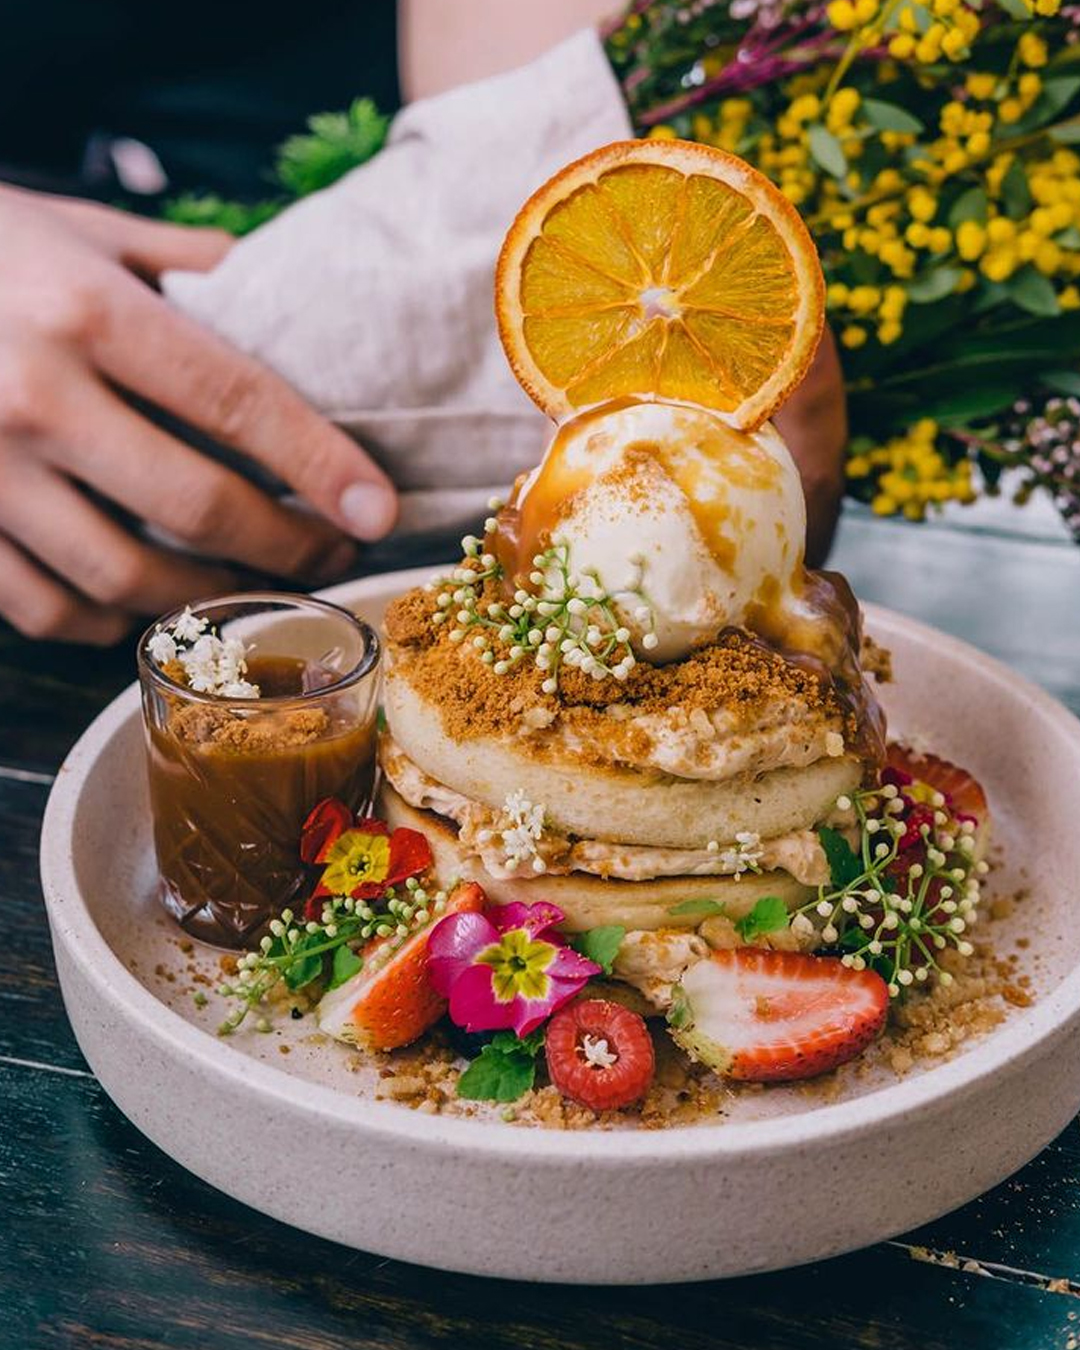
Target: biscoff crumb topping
<point>220,728</point>
<point>734,673</point>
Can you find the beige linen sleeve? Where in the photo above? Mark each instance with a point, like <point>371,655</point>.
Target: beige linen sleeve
<point>374,298</point>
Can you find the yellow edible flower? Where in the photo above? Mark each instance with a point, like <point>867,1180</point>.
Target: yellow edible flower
<point>970,240</point>
<point>1031,50</point>
<point>841,14</point>
<point>981,85</point>
<point>999,264</point>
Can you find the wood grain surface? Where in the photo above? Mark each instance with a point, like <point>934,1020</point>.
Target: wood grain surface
<point>108,1245</point>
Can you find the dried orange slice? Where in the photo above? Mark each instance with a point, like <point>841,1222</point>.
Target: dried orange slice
<point>664,269</point>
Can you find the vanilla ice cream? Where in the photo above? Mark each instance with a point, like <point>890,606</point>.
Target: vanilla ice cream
<point>676,513</point>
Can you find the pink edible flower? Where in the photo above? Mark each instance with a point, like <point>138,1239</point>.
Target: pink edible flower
<point>505,968</point>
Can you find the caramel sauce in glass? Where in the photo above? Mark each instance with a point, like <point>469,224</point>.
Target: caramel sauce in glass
<point>232,781</point>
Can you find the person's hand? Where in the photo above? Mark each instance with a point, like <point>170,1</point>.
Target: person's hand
<point>79,329</point>
<point>813,422</point>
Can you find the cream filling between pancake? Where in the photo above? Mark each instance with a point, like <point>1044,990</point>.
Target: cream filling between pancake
<point>483,830</point>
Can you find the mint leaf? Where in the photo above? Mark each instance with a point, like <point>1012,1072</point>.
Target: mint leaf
<point>346,964</point>
<point>679,1013</point>
<point>302,969</point>
<point>600,945</point>
<point>509,1042</point>
<point>697,907</point>
<point>503,1070</point>
<point>845,865</point>
<point>769,915</point>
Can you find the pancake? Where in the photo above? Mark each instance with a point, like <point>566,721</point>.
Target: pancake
<point>603,802</point>
<point>588,901</point>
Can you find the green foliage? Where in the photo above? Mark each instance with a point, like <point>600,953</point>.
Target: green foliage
<point>769,915</point>
<point>504,1070</point>
<point>208,209</point>
<point>334,144</point>
<point>845,866</point>
<point>600,945</point>
<point>346,964</point>
<point>702,907</point>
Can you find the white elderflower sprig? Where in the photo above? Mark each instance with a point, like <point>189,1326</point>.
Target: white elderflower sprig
<point>523,831</point>
<point>211,664</point>
<point>301,952</point>
<point>566,620</point>
<point>893,909</point>
<point>744,857</point>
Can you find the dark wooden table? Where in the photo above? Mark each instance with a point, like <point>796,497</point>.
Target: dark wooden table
<point>104,1242</point>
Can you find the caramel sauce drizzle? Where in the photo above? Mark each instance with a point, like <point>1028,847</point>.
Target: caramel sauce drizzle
<point>817,625</point>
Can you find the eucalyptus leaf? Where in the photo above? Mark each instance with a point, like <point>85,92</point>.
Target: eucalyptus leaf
<point>970,205</point>
<point>1062,381</point>
<point>1068,238</point>
<point>933,285</point>
<point>828,151</point>
<point>1016,9</point>
<point>967,405</point>
<point>890,117</point>
<point>1067,133</point>
<point>1015,192</point>
<point>1033,292</point>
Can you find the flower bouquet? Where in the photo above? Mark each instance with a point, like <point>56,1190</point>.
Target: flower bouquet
<point>929,148</point>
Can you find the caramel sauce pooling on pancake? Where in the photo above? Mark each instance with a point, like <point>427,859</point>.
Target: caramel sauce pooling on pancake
<point>817,625</point>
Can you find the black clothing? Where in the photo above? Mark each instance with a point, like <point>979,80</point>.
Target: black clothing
<point>211,86</point>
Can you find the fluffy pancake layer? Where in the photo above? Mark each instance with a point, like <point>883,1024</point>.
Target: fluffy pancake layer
<point>589,901</point>
<point>605,801</point>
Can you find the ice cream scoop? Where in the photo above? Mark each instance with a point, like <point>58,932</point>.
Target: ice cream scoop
<point>689,523</point>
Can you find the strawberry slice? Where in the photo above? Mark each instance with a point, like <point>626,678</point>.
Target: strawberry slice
<point>769,1016</point>
<point>390,1001</point>
<point>599,1054</point>
<point>962,792</point>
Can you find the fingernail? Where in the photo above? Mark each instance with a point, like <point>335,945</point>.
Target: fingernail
<point>369,509</point>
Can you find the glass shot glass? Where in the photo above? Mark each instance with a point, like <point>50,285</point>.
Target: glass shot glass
<point>233,779</point>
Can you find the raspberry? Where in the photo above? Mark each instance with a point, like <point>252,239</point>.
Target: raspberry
<point>599,1054</point>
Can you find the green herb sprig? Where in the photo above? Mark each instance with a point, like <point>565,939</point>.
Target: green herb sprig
<point>895,920</point>
<point>769,915</point>
<point>504,1070</point>
<point>334,144</point>
<point>332,948</point>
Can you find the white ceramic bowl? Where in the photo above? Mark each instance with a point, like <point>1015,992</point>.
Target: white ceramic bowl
<point>787,1177</point>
